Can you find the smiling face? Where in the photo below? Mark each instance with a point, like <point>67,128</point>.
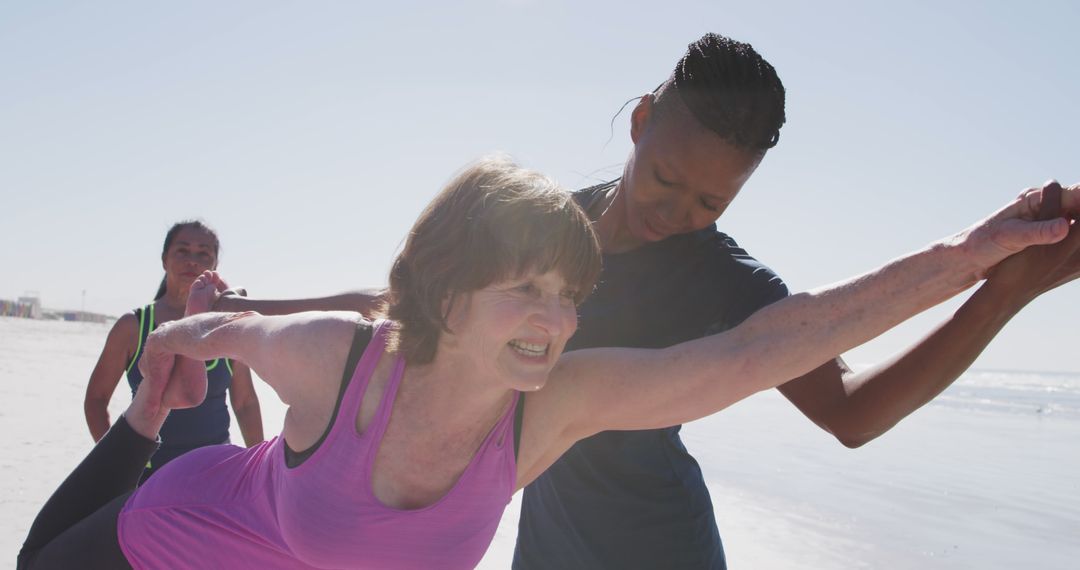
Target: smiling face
<point>680,176</point>
<point>492,221</point>
<point>191,252</point>
<point>513,330</point>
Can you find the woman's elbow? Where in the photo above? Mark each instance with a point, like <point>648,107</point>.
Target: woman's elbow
<point>852,438</point>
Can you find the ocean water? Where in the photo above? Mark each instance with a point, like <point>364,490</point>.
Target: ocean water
<point>1045,394</point>
<point>985,476</point>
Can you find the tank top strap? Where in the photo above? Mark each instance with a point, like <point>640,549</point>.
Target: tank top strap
<point>506,430</point>
<point>361,379</point>
<point>146,324</point>
<point>386,404</point>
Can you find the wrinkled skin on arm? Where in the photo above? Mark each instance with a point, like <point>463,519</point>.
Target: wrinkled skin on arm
<point>604,389</point>
<point>856,407</point>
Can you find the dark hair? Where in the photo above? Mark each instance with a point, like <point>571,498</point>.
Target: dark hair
<point>730,89</point>
<point>494,221</point>
<point>171,235</point>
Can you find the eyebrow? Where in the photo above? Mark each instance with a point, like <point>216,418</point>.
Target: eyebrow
<point>189,244</point>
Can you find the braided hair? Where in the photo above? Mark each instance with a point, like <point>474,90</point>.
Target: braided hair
<point>730,89</point>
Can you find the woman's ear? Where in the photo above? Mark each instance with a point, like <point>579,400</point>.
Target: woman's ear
<point>639,117</point>
<point>446,308</point>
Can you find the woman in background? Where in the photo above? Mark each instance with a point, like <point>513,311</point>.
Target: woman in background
<point>190,248</point>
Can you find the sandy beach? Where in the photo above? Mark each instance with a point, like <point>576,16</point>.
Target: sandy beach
<point>983,478</point>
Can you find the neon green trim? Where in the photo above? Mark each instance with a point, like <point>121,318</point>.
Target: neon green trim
<point>138,347</point>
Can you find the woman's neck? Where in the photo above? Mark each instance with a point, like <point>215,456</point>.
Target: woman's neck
<point>453,395</point>
<point>610,225</point>
<point>174,302</point>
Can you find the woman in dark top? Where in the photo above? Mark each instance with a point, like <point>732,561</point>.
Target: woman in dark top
<point>637,499</point>
<point>190,248</point>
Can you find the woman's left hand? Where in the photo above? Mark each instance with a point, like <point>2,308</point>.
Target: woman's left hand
<point>1037,270</point>
<point>1018,226</point>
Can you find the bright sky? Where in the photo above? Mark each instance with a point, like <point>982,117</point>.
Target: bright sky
<point>310,134</point>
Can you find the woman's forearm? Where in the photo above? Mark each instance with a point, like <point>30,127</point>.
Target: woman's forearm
<point>199,337</point>
<point>862,405</point>
<point>249,418</point>
<point>365,302</point>
<point>795,335</point>
<point>97,417</point>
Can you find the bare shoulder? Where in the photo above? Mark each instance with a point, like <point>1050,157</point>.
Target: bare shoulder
<point>301,354</point>
<point>128,323</point>
<point>124,333</point>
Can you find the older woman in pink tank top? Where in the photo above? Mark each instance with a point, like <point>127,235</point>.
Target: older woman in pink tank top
<point>401,451</point>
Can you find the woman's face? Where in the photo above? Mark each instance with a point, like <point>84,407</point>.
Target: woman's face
<point>191,252</point>
<point>514,330</point>
<point>680,176</point>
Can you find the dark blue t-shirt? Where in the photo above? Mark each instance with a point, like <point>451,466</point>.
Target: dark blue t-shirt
<point>637,499</point>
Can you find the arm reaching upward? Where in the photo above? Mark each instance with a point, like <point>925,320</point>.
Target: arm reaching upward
<point>366,302</point>
<point>857,407</point>
<point>616,388</point>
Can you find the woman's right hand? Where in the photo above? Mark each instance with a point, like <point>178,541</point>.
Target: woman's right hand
<point>1019,225</point>
<point>1036,270</point>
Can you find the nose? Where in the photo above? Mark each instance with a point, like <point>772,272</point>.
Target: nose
<point>193,260</point>
<point>550,315</point>
<point>674,213</point>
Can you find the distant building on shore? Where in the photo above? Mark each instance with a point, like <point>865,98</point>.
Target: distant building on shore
<point>34,302</point>
<point>29,307</point>
<point>25,307</point>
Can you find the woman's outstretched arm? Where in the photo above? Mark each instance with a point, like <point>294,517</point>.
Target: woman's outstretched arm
<point>618,388</point>
<point>301,356</point>
<point>858,406</point>
<point>366,302</point>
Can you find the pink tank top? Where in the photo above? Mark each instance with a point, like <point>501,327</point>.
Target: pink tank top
<point>228,507</point>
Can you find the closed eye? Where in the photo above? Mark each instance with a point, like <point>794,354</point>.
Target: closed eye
<point>709,206</point>
<point>526,289</point>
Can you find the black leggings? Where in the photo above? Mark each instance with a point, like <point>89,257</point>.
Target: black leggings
<point>77,526</point>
